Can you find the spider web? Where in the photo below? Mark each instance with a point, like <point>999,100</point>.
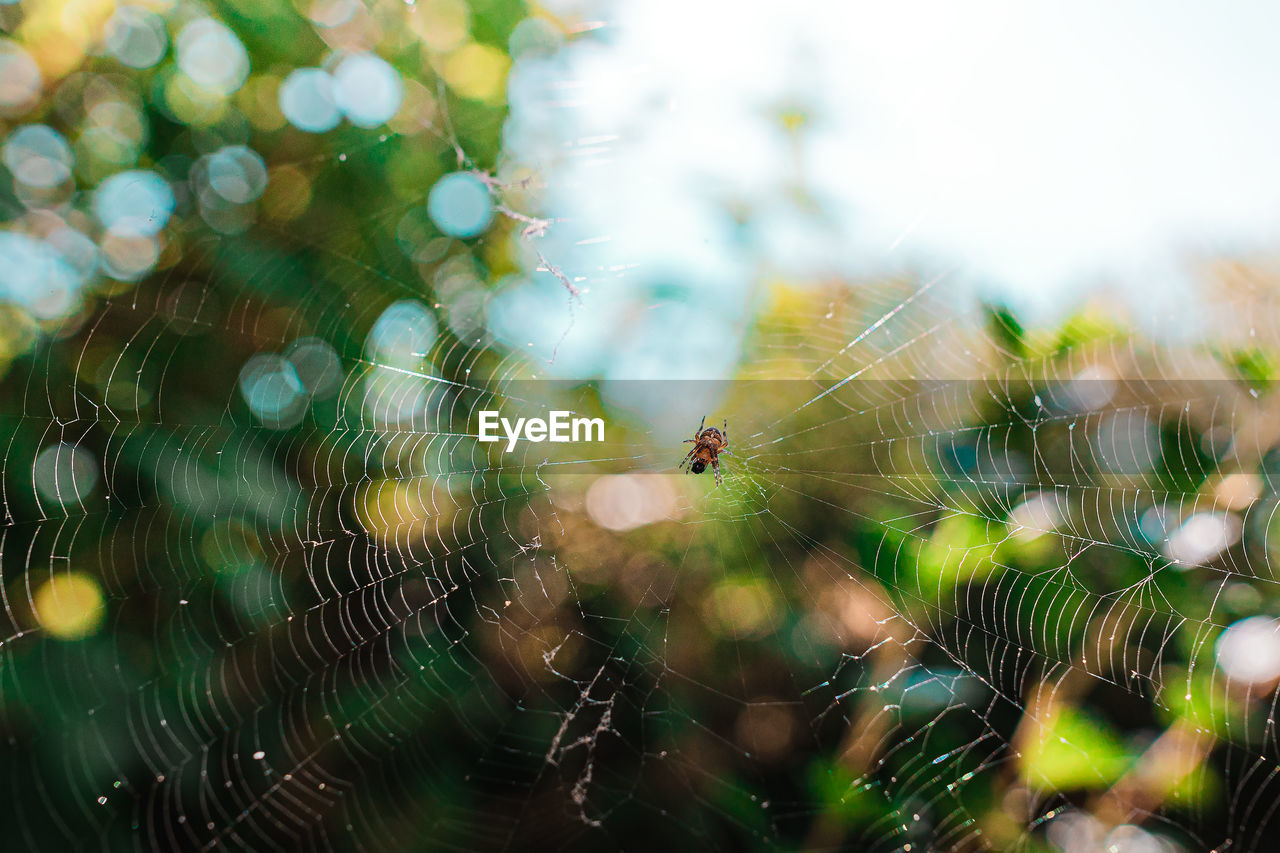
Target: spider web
<point>960,589</point>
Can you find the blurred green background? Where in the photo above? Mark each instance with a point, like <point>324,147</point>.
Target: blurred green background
<point>969,583</point>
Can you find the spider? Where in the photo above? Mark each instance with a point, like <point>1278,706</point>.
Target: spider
<point>708,444</point>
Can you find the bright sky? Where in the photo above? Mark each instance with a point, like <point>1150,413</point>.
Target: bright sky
<point>1038,148</point>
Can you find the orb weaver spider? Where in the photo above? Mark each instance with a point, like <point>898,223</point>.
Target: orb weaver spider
<point>708,444</point>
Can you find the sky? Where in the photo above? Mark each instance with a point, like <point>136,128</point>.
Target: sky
<point>1034,152</point>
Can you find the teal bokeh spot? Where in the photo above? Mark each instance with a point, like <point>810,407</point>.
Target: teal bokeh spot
<point>307,100</point>
<point>138,200</point>
<point>459,205</point>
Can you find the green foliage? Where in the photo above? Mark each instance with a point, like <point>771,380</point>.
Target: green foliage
<point>1073,750</point>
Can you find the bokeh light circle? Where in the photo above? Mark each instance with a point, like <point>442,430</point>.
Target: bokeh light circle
<point>136,37</point>
<point>332,13</point>
<point>403,335</point>
<point>459,205</point>
<point>237,173</point>
<point>367,89</point>
<point>477,71</point>
<point>317,365</point>
<point>115,133</point>
<point>307,100</point>
<point>272,389</point>
<point>127,254</point>
<point>65,474</point>
<point>76,250</point>
<point>38,156</point>
<point>1249,650</point>
<point>137,200</point>
<point>19,78</point>
<point>69,605</point>
<point>534,35</point>
<point>443,25</point>
<point>212,56</point>
<point>35,276</point>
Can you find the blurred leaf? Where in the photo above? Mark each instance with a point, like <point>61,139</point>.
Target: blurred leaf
<point>1074,750</point>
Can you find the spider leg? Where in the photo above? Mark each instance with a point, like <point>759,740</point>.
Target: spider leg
<point>703,423</point>
<point>715,466</point>
<point>687,457</point>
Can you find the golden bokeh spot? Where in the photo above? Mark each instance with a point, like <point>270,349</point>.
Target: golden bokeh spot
<point>57,33</point>
<point>1237,491</point>
<point>404,513</point>
<point>443,25</point>
<point>288,193</point>
<point>259,100</point>
<point>793,119</point>
<point>478,71</point>
<point>69,606</point>
<point>18,331</point>
<point>130,255</point>
<point>191,104</point>
<point>741,609</point>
